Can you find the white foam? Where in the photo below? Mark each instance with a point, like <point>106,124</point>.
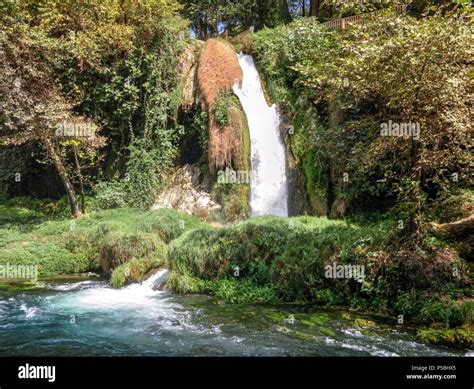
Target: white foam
<point>268,183</point>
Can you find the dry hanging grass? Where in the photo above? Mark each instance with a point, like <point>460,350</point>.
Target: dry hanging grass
<point>218,71</point>
<point>225,143</point>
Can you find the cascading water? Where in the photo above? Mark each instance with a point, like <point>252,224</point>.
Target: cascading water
<point>268,183</point>
<point>105,297</point>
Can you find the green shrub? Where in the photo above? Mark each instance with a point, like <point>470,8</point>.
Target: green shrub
<point>468,310</point>
<point>284,259</point>
<point>245,291</point>
<point>442,311</point>
<point>168,223</point>
<point>186,284</point>
<point>117,248</point>
<point>422,306</point>
<point>50,257</point>
<point>234,199</point>
<point>111,194</point>
<point>452,206</point>
<point>222,109</point>
<point>327,297</point>
<point>290,253</point>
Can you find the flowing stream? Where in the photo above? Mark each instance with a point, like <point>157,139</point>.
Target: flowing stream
<point>89,318</point>
<point>268,184</point>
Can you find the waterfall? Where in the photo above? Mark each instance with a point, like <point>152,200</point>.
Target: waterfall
<point>268,181</point>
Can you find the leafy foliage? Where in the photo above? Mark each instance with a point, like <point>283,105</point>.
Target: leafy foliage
<point>340,88</point>
<point>222,109</point>
<point>114,62</point>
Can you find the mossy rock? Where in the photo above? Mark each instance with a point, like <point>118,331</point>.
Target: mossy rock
<point>302,335</point>
<point>327,331</point>
<point>135,270</point>
<point>362,323</point>
<point>454,337</point>
<point>19,286</point>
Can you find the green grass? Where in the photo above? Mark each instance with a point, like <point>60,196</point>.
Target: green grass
<point>273,260</point>
<point>39,233</point>
<point>271,251</point>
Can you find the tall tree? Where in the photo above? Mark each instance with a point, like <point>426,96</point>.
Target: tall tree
<point>32,106</point>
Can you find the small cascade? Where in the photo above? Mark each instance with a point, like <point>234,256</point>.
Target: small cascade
<point>268,183</point>
<point>134,294</point>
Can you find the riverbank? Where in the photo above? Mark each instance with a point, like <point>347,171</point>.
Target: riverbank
<point>266,260</point>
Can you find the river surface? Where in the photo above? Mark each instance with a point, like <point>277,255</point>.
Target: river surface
<point>88,318</point>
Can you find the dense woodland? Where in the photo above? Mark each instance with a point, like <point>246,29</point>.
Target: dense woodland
<point>112,67</point>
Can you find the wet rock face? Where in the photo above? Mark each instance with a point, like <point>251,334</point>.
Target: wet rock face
<point>187,192</point>
<point>298,203</point>
<point>297,199</point>
<point>187,69</point>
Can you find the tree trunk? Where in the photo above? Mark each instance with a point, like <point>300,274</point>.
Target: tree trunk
<point>81,180</point>
<point>330,195</point>
<point>457,230</point>
<point>315,4</point>
<point>414,222</point>
<point>461,232</point>
<point>61,169</point>
<point>285,11</point>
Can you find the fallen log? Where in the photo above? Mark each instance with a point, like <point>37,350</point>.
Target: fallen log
<point>458,230</point>
<point>461,232</point>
